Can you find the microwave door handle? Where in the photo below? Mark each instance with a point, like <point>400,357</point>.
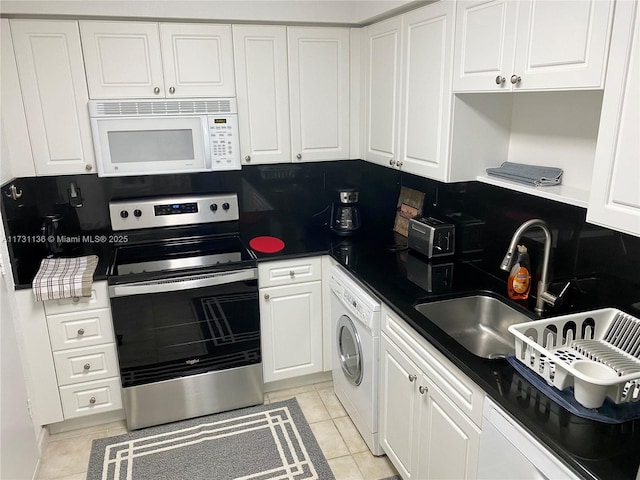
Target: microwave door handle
<point>182,283</point>
<point>206,137</point>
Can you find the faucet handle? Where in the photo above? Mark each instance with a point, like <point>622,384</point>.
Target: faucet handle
<point>550,298</point>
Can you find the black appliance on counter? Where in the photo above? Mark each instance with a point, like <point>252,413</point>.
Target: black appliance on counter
<point>184,299</point>
<point>345,216</point>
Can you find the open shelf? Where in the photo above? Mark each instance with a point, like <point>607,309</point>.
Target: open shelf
<point>560,193</point>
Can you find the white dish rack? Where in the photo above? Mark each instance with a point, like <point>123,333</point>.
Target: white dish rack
<point>552,346</point>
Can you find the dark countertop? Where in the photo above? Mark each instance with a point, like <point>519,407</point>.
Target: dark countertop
<point>594,450</point>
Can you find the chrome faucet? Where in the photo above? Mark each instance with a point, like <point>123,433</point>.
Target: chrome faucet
<point>543,295</point>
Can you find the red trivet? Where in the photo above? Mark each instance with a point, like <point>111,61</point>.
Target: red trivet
<point>266,244</point>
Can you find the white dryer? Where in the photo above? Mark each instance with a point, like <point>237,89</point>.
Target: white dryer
<point>355,316</point>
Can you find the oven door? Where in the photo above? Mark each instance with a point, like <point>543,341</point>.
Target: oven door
<point>172,328</point>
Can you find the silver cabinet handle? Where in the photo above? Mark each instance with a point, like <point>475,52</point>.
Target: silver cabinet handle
<point>88,168</point>
<point>500,80</point>
<point>412,377</point>
<point>81,331</point>
<point>247,158</point>
<point>156,90</point>
<point>515,79</point>
<point>423,390</point>
<point>267,296</point>
<point>392,162</point>
<point>92,400</point>
<point>292,273</point>
<point>172,90</point>
<point>299,156</point>
<point>399,163</point>
<point>87,366</point>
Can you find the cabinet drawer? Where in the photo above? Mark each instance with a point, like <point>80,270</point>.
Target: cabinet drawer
<point>99,299</point>
<point>80,329</point>
<point>286,272</point>
<point>458,388</point>
<point>91,397</point>
<point>86,364</point>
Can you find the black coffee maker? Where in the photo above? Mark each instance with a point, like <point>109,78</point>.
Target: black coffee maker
<point>345,216</point>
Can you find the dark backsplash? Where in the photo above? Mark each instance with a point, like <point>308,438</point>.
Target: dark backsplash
<point>604,261</point>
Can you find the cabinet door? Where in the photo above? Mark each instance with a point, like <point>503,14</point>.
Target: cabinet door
<point>449,442</point>
<point>614,199</point>
<point>398,407</point>
<point>197,60</point>
<point>382,66</point>
<point>484,45</point>
<point>263,93</point>
<point>54,92</point>
<point>122,59</point>
<point>291,324</point>
<point>427,98</point>
<point>562,44</point>
<point>319,93</point>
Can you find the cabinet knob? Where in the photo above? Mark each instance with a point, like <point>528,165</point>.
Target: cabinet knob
<point>399,164</point>
<point>92,400</point>
<point>81,331</point>
<point>87,366</point>
<point>75,299</point>
<point>247,158</point>
<point>156,90</point>
<point>500,80</point>
<point>267,296</point>
<point>172,90</point>
<point>412,377</point>
<point>423,390</point>
<point>299,156</point>
<point>515,79</point>
<point>392,162</point>
<point>88,167</point>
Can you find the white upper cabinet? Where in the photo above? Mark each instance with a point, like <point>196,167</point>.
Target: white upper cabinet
<point>147,60</point>
<point>263,93</point>
<point>614,200</point>
<point>54,92</point>
<point>197,60</point>
<point>319,93</point>
<point>503,45</point>
<point>382,63</point>
<point>426,90</point>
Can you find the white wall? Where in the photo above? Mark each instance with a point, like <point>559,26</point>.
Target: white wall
<point>314,11</point>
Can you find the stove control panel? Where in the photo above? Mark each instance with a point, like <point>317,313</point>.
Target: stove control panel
<point>173,211</point>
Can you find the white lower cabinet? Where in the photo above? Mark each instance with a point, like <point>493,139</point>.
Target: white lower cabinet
<point>291,318</point>
<point>426,433</point>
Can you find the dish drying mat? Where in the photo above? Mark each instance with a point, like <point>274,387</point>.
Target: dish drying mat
<point>528,174</point>
<point>550,347</point>
<point>64,277</point>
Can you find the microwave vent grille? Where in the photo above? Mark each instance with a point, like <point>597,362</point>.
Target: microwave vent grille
<point>135,108</point>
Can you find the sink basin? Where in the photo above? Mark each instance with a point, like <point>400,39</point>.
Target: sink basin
<point>478,322</point>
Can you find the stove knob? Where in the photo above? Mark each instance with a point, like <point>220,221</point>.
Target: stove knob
<point>124,213</point>
<point>137,213</point>
<point>225,206</point>
<point>213,207</point>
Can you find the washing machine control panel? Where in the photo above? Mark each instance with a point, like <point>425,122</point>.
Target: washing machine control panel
<point>363,313</point>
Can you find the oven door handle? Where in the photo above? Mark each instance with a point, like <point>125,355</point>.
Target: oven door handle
<point>182,283</point>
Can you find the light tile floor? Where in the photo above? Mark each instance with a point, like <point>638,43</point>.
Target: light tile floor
<point>67,454</point>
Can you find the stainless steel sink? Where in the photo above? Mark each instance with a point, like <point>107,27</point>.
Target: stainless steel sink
<point>477,322</point>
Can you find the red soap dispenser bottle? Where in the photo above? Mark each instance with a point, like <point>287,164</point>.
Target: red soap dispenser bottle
<point>519,282</point>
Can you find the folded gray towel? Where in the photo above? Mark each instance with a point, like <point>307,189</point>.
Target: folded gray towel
<point>530,174</point>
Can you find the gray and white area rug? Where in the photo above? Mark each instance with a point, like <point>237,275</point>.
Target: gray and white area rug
<point>258,443</point>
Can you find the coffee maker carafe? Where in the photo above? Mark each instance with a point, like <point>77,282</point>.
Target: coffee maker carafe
<point>345,216</point>
<point>51,230</point>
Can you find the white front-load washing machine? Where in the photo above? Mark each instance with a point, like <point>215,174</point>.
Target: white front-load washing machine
<point>355,316</point>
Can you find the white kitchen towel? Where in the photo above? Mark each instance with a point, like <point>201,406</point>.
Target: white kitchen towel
<point>530,174</point>
<point>64,277</point>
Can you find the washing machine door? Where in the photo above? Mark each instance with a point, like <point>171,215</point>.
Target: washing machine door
<point>349,350</point>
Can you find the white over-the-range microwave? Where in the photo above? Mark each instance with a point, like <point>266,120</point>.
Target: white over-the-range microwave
<point>148,137</point>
